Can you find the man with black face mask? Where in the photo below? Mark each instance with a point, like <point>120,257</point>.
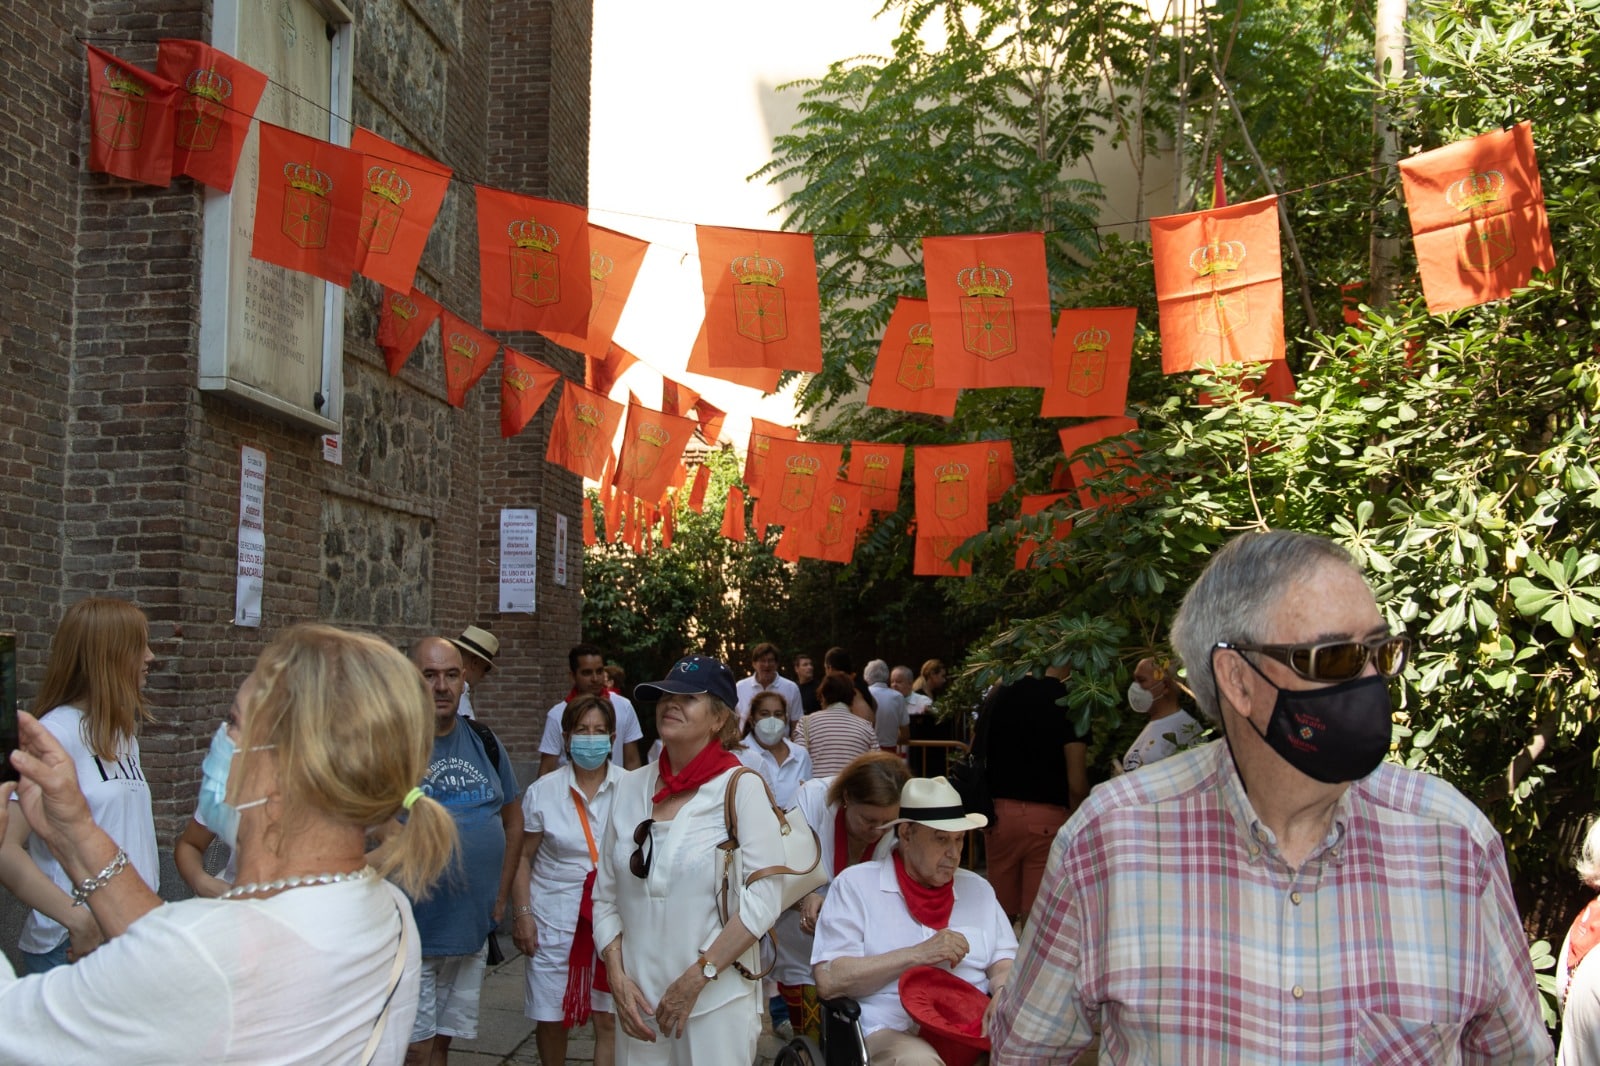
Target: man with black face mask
<point>1282,895</point>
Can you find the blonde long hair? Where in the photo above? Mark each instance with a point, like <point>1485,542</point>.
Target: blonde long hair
<point>350,727</point>
<point>96,657</point>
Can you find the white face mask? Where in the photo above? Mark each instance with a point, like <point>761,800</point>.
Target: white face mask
<point>769,730</point>
<point>1140,698</point>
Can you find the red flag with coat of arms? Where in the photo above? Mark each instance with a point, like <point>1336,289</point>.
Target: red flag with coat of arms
<point>525,383</point>
<point>217,98</point>
<point>989,307</point>
<point>585,424</point>
<point>533,263</point>
<point>799,475</point>
<point>1219,284</point>
<point>401,194</point>
<point>131,120</point>
<point>1077,438</point>
<point>1090,363</point>
<point>762,436</point>
<point>614,263</point>
<point>1477,218</point>
<point>652,444</point>
<point>697,493</point>
<point>403,319</point>
<point>951,489</point>
<point>763,308</point>
<point>759,378</point>
<point>1000,470</point>
<point>878,469</point>
<point>905,376</point>
<point>733,514</point>
<point>308,205</point>
<point>468,353</point>
<point>831,535</point>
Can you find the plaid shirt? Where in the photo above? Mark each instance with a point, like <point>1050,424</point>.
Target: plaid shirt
<point>1169,919</point>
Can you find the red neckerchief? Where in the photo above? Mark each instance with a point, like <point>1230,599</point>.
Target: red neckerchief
<point>930,906</point>
<point>712,760</point>
<point>841,844</point>
<point>1585,934</point>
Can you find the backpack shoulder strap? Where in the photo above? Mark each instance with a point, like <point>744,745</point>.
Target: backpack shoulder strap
<point>491,743</point>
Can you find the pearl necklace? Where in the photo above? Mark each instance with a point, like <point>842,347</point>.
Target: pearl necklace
<point>284,883</point>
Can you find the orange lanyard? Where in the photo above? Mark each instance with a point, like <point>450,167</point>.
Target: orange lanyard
<point>588,834</point>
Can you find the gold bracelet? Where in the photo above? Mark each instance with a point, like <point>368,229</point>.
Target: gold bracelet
<point>82,890</point>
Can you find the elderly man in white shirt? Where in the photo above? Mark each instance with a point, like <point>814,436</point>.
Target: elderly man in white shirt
<point>913,907</point>
<point>765,678</point>
<point>893,717</point>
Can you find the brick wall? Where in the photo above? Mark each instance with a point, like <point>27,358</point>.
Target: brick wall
<point>121,477</point>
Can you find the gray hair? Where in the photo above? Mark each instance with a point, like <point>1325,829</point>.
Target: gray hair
<point>876,673</point>
<point>902,672</point>
<point>1232,596</point>
<point>1589,856</point>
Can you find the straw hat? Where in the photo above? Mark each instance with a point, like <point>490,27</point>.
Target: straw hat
<point>935,803</point>
<point>479,642</point>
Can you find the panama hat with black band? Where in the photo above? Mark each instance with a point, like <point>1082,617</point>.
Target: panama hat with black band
<point>935,803</point>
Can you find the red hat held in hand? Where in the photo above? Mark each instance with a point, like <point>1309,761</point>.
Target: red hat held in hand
<point>949,1012</point>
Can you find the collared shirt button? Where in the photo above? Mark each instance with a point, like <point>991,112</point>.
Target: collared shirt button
<point>1254,851</point>
<point>1298,992</point>
<point>1294,897</point>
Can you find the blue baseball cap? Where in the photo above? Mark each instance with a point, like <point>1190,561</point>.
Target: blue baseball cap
<point>690,676</point>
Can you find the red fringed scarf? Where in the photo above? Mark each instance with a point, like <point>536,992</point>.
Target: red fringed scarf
<point>712,760</point>
<point>585,971</point>
<point>1585,934</point>
<point>841,844</point>
<point>930,906</point>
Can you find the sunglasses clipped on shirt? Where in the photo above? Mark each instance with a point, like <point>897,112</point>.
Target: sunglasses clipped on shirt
<point>1338,660</point>
<point>639,861</point>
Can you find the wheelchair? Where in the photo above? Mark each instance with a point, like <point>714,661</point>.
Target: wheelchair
<point>842,1041</point>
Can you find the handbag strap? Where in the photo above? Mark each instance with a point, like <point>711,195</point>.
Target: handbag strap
<point>371,1049</point>
<point>588,834</point>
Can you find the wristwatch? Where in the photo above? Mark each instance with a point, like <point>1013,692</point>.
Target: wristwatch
<point>708,969</point>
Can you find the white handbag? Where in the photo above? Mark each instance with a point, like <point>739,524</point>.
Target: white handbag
<point>801,872</point>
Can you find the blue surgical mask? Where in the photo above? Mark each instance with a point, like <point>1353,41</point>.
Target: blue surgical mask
<point>215,811</point>
<point>590,750</point>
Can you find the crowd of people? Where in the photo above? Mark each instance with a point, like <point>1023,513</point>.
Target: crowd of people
<point>1280,894</point>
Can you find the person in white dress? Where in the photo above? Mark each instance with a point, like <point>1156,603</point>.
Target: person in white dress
<point>1578,968</point>
<point>563,815</point>
<point>92,701</point>
<point>312,958</point>
<point>1170,728</point>
<point>851,813</point>
<point>673,961</point>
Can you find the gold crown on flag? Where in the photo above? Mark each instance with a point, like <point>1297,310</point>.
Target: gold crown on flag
<point>122,82</point>
<point>876,461</point>
<point>526,233</point>
<point>983,280</point>
<point>756,270</point>
<point>518,378</point>
<point>1475,190</point>
<point>464,346</point>
<point>1092,340</point>
<point>1216,257</point>
<point>211,84</point>
<point>654,435</point>
<point>803,464</point>
<point>307,178</point>
<point>388,183</point>
<point>922,334</point>
<point>402,305</point>
<point>951,472</point>
<point>836,504</point>
<point>600,266</point>
<point>587,413</point>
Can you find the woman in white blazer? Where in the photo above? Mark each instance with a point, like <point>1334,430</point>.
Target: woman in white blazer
<point>674,966</point>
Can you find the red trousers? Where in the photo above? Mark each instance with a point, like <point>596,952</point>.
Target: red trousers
<point>1018,847</point>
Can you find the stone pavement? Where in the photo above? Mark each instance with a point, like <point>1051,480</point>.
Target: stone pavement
<point>505,1035</point>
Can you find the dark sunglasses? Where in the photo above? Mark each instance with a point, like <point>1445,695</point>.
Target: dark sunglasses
<point>639,862</point>
<point>1338,660</point>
